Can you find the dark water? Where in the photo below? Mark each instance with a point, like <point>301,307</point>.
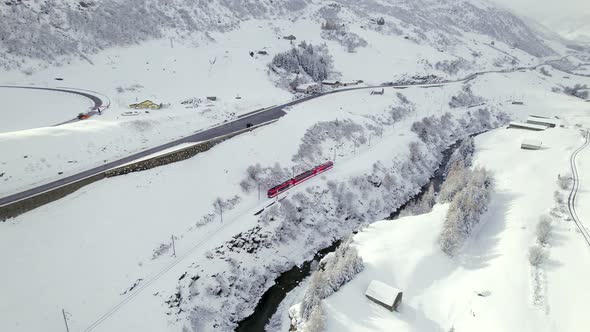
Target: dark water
<point>435,181</point>
<point>287,281</point>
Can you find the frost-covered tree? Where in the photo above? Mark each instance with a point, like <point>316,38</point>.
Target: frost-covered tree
<point>545,72</point>
<point>456,179</point>
<point>463,153</point>
<point>317,320</point>
<point>315,61</point>
<point>452,67</point>
<point>335,270</point>
<point>465,98</point>
<point>317,138</point>
<point>465,210</point>
<point>543,230</point>
<point>264,177</point>
<point>537,255</point>
<point>422,205</point>
<point>350,40</point>
<point>578,90</point>
<point>564,182</point>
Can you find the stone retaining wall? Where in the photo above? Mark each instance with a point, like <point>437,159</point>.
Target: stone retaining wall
<point>28,204</point>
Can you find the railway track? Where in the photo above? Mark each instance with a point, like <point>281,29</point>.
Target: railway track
<point>571,201</point>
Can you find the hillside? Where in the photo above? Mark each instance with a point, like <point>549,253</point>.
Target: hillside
<point>58,30</point>
<point>472,291</point>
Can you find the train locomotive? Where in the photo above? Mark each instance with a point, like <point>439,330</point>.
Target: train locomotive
<point>276,190</point>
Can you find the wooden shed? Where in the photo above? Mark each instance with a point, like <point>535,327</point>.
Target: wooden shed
<point>527,126</point>
<point>384,295</point>
<point>531,144</point>
<point>146,104</point>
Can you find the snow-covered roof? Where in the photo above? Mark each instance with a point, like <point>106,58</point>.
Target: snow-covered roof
<point>542,121</point>
<point>330,82</point>
<point>382,292</point>
<point>527,125</point>
<point>532,142</point>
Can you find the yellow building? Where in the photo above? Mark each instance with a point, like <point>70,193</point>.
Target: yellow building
<point>146,104</point>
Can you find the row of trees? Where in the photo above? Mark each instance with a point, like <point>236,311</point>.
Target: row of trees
<point>335,270</point>
<point>318,137</point>
<point>468,191</point>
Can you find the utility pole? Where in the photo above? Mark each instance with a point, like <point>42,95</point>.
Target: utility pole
<point>293,170</point>
<point>334,154</point>
<point>173,246</point>
<point>63,312</point>
<point>259,191</point>
<point>221,213</point>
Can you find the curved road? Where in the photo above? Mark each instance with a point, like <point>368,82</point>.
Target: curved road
<point>97,101</point>
<point>571,201</point>
<point>254,118</point>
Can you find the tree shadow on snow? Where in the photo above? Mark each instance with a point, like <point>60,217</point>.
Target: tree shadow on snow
<point>416,319</point>
<point>477,252</point>
<point>481,248</point>
<point>375,317</point>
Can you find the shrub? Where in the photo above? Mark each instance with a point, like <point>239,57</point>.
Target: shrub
<point>543,230</point>
<point>545,72</point>
<point>465,98</point>
<point>537,255</point>
<point>452,67</point>
<point>558,197</point>
<point>350,40</point>
<point>578,90</point>
<point>564,182</point>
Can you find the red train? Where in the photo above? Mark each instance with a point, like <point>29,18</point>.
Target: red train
<point>274,191</point>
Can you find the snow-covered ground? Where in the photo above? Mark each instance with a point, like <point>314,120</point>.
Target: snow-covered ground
<point>442,293</point>
<point>105,233</point>
<point>102,253</point>
<point>28,109</point>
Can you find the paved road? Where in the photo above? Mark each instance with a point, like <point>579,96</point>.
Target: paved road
<point>255,118</point>
<point>97,101</point>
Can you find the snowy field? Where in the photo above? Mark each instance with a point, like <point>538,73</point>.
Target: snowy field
<point>28,109</point>
<point>442,293</point>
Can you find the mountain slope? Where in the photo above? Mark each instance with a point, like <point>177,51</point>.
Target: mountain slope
<point>50,30</point>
